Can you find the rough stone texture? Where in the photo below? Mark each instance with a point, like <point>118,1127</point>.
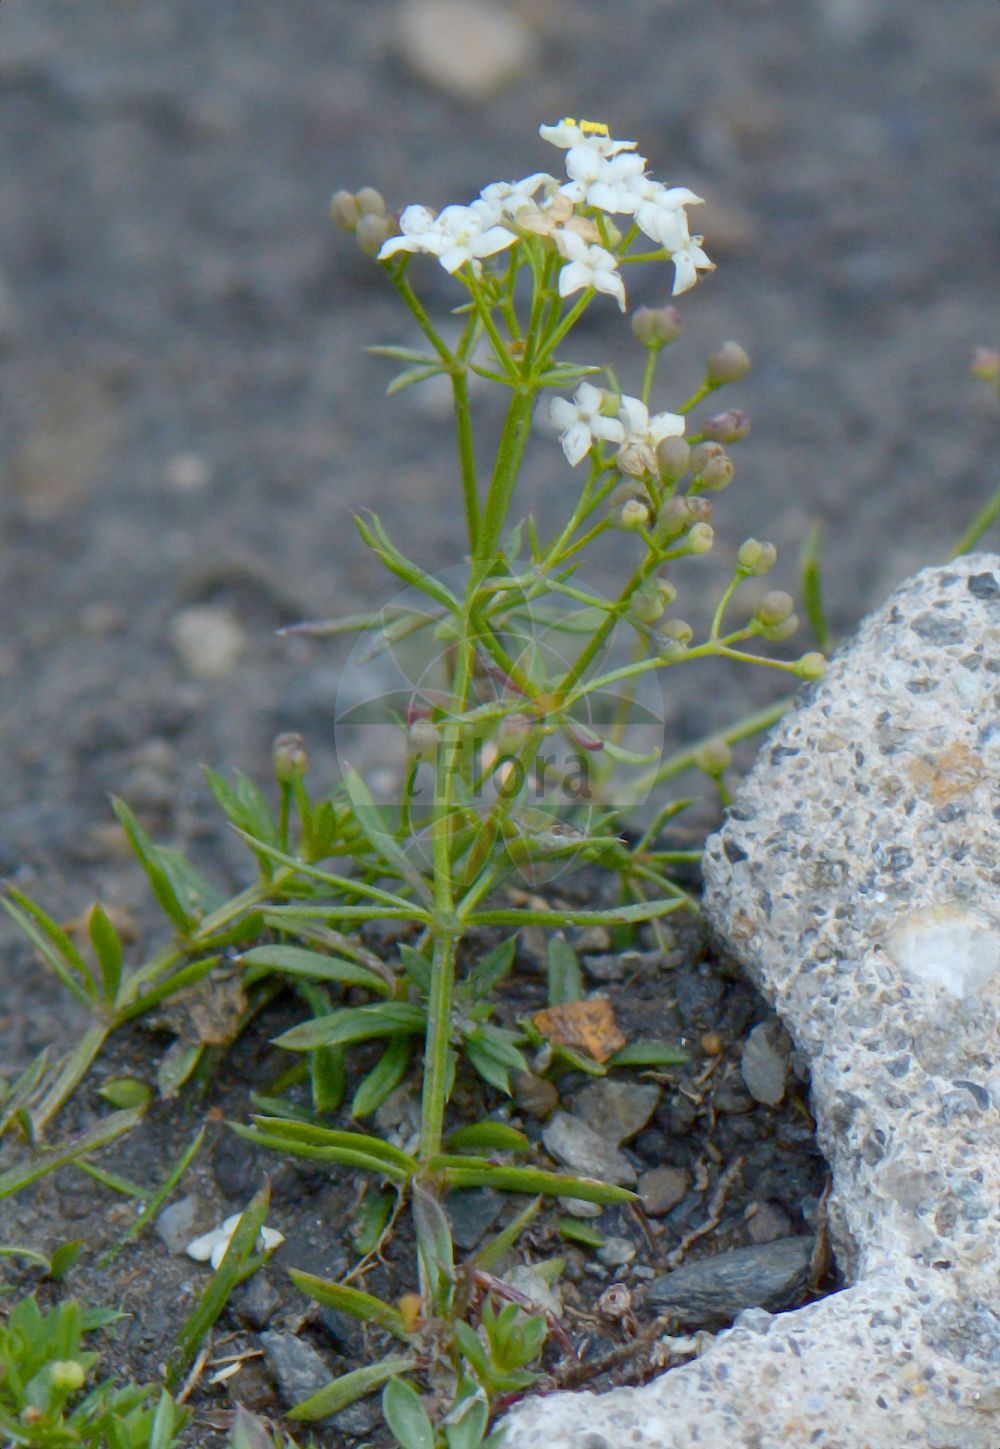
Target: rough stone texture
<point>856,880</point>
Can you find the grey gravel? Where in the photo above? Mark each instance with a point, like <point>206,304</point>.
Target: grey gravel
<point>662,1188</point>
<point>577,1146</point>
<point>715,1289</point>
<point>764,1062</point>
<point>296,1366</point>
<point>616,1109</point>
<point>176,1223</point>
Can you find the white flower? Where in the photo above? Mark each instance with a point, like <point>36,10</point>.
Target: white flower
<point>659,211</point>
<point>459,234</point>
<point>613,187</point>
<point>581,422</point>
<point>588,266</point>
<point>567,133</point>
<point>641,428</point>
<point>211,1247</point>
<point>688,261</point>
<point>510,197</point>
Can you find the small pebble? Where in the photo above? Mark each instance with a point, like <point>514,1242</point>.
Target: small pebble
<point>535,1095</point>
<point>617,1109</point>
<point>208,641</point>
<point>176,1223</point>
<point>662,1188</point>
<point>764,1063</point>
<point>470,49</point>
<point>577,1146</point>
<point>616,1252</point>
<point>711,1043</point>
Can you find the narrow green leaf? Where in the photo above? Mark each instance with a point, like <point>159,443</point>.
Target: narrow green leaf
<point>434,1245</point>
<point>153,1204</point>
<point>107,1131</point>
<point>410,376</point>
<point>149,857</point>
<point>487,974</point>
<point>327,1079</point>
<point>465,1426</point>
<point>812,589</point>
<point>295,961</point>
<point>24,1088</point>
<point>383,843</point>
<point>126,1092</point>
<point>406,1416</point>
<point>403,354</point>
<point>328,1137</point>
<point>417,968</point>
<point>37,1260</point>
<point>614,916</point>
<point>399,908</point>
<point>491,1253</point>
<point>352,1301</point>
<point>576,1231</point>
<point>338,1156</point>
<point>491,1070</point>
<point>565,976</point>
<point>349,1388</point>
<point>372,1220</point>
<point>168,1420</point>
<point>648,1054</point>
<point>63,1259</point>
<point>108,948</point>
<point>531,1179</point>
<point>384,1077</point>
<point>234,1268</point>
<point>177,1065</point>
<point>487,1137</point>
<point>52,944</point>
<point>358,1023</point>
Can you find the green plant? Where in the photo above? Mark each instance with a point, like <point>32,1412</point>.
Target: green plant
<point>44,1398</point>
<point>518,764</point>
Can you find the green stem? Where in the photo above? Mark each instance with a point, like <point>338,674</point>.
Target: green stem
<point>508,462</point>
<point>977,527</point>
<point>466,454</point>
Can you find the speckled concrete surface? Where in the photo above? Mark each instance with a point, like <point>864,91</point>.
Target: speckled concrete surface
<point>856,881</point>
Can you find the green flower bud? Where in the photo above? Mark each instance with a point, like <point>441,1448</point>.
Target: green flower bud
<point>756,558</point>
<point>289,757</point>
<point>703,454</point>
<point>774,608</point>
<point>370,202</point>
<point>673,456</point>
<point>713,757</point>
<point>633,515</point>
<point>700,510</point>
<point>344,210</point>
<point>716,475</point>
<point>673,518</point>
<point>656,326</point>
<point>728,427</point>
<point>648,604</point>
<point>627,491</point>
<point>679,630</point>
<point>67,1375</point>
<point>700,538</point>
<point>776,633</point>
<point>371,232</point>
<point>729,363</point>
<point>811,666</point>
<point>672,651</point>
<point>666,591</point>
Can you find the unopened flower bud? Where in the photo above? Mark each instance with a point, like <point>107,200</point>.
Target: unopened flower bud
<point>370,202</point>
<point>702,455</point>
<point>775,633</point>
<point>700,510</point>
<point>422,739</point>
<point>512,731</point>
<point>674,517</point>
<point>671,651</point>
<point>648,604</point>
<point>756,558</point>
<point>677,629</point>
<point>700,538</point>
<point>344,210</point>
<point>624,492</point>
<point>637,459</point>
<point>673,456</point>
<point>727,427</point>
<point>714,757</point>
<point>633,515</point>
<point>288,754</point>
<point>716,475</point>
<point>811,666</point>
<point>666,591</point>
<point>986,364</point>
<point>372,232</point>
<point>775,607</point>
<point>729,363</point>
<point>67,1375</point>
<point>656,326</point>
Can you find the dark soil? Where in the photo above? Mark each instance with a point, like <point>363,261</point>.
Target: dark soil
<point>190,419</point>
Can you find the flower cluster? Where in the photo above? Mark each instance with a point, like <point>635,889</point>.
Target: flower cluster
<point>583,422</point>
<point>605,178</point>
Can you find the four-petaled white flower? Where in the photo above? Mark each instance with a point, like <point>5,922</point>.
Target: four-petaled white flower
<point>211,1247</point>
<point>641,428</point>
<point>457,235</point>
<point>588,266</point>
<point>567,133</point>
<point>581,422</point>
<point>511,197</point>
<point>604,182</point>
<point>688,261</point>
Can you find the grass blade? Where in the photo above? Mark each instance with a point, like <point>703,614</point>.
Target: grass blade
<point>114,1126</point>
<point>349,1388</point>
<point>296,961</point>
<point>352,1301</point>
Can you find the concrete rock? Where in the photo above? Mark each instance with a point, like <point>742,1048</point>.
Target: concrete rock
<point>856,881</point>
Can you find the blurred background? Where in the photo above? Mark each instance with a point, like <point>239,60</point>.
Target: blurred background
<point>189,416</point>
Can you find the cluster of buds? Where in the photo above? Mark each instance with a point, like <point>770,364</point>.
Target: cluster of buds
<point>363,214</point>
